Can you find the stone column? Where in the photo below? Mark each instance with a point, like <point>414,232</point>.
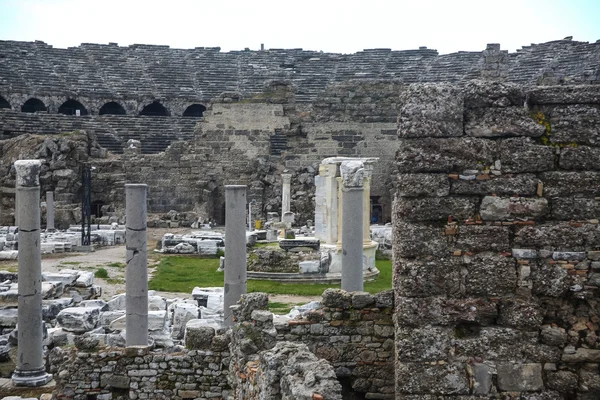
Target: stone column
<point>49,211</point>
<point>367,203</point>
<point>136,273</point>
<point>235,248</point>
<point>352,225</point>
<point>285,193</point>
<point>30,369</point>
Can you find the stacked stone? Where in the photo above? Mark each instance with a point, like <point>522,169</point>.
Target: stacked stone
<point>134,372</point>
<point>496,225</point>
<point>354,332</point>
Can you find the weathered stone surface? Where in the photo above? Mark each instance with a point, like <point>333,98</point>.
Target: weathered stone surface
<point>489,274</point>
<point>384,299</point>
<point>520,377</point>
<point>427,343</point>
<point>444,379</point>
<point>444,155</point>
<point>182,313</point>
<point>561,236</point>
<point>336,298</point>
<point>522,185</point>
<point>477,238</point>
<point>115,381</point>
<point>580,158</point>
<point>553,335</point>
<point>562,381</point>
<point>563,94</point>
<point>549,280</point>
<point>582,355</point>
<point>501,122</point>
<point>574,208</point>
<point>197,335</point>
<point>495,208</point>
<point>440,310</point>
<point>482,379</point>
<point>78,319</point>
<point>435,208</point>
<point>488,93</point>
<point>526,315</point>
<point>419,278</point>
<point>362,300</point>
<point>564,184</point>
<point>430,110</point>
<point>418,185</point>
<point>577,124</point>
<point>417,239</point>
<point>520,155</point>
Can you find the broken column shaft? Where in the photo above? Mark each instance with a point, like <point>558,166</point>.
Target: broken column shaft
<point>285,193</point>
<point>352,225</point>
<point>235,248</point>
<point>136,274</point>
<point>30,369</point>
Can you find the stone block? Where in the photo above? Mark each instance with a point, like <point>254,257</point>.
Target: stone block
<point>482,379</point>
<point>520,377</point>
<point>577,124</point>
<point>477,238</point>
<point>115,381</point>
<point>565,184</point>
<point>384,299</point>
<point>489,274</point>
<point>495,208</point>
<point>198,336</point>
<point>8,317</point>
<point>362,300</point>
<point>418,239</point>
<point>434,110</point>
<point>559,236</point>
<point>549,280</point>
<point>521,314</point>
<point>580,158</point>
<point>484,93</point>
<point>420,278</point>
<point>562,381</point>
<point>182,313</point>
<point>78,319</point>
<point>435,208</point>
<point>507,185</point>
<point>107,317</point>
<point>419,185</point>
<point>524,254</point>
<point>582,355</point>
<point>444,155</point>
<point>440,310</point>
<point>501,122</point>
<point>574,208</point>
<point>336,298</point>
<point>84,279</point>
<point>117,302</point>
<point>444,379</point>
<point>519,155</point>
<point>427,343</point>
<point>563,94</point>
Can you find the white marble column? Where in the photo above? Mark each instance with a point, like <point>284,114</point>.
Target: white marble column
<point>235,248</point>
<point>136,273</point>
<point>49,211</point>
<point>352,225</point>
<point>30,370</point>
<point>286,193</point>
<point>367,203</point>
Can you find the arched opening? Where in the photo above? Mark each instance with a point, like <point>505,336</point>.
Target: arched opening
<point>112,108</point>
<point>70,107</point>
<point>156,109</point>
<point>4,103</point>
<point>195,110</point>
<point>33,105</point>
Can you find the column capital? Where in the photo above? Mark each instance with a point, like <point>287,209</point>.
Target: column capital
<point>286,178</point>
<point>353,173</point>
<point>28,173</point>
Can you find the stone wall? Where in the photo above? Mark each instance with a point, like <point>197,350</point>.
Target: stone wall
<point>496,235</point>
<point>354,332</point>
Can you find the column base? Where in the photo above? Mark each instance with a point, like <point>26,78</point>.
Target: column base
<point>31,378</point>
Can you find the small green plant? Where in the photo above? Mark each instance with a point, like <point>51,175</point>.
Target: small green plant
<point>101,273</point>
<point>220,253</point>
<point>115,265</point>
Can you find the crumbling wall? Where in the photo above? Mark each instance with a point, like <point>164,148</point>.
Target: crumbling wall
<point>354,332</point>
<point>496,271</point>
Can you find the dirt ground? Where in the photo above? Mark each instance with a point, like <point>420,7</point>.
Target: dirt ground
<point>113,260</point>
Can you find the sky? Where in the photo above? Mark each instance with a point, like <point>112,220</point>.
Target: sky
<point>338,26</point>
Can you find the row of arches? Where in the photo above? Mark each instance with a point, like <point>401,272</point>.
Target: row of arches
<point>73,107</point>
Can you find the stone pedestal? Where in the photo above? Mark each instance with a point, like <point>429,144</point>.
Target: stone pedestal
<point>352,225</point>
<point>235,248</point>
<point>30,370</point>
<point>136,274</point>
<point>50,211</point>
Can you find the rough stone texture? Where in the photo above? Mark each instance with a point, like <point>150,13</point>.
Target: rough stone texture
<point>501,301</point>
<point>416,185</point>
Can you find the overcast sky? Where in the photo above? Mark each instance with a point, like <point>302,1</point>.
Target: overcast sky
<point>341,26</point>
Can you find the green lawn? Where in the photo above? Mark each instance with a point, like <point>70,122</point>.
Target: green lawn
<point>181,274</point>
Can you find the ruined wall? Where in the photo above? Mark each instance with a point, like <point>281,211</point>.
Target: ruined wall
<point>496,235</point>
<point>354,332</point>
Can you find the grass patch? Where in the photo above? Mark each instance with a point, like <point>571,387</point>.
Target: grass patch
<point>181,274</point>
<point>262,245</point>
<point>70,263</point>
<point>10,268</point>
<point>280,308</point>
<point>115,265</point>
<point>101,273</point>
